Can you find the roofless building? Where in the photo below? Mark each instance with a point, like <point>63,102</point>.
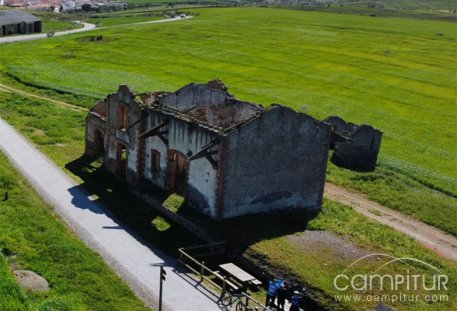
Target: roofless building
<point>225,156</point>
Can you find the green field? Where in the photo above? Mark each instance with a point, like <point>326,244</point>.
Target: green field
<point>409,4</point>
<point>396,74</point>
<point>112,21</point>
<point>388,4</point>
<point>58,132</point>
<point>59,26</point>
<point>55,22</point>
<point>33,237</point>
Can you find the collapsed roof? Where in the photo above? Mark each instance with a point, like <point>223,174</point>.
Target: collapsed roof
<point>210,105</point>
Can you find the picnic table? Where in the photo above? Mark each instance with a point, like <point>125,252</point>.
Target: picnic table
<point>239,274</point>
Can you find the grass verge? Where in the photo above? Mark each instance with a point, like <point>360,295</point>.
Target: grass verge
<point>32,237</point>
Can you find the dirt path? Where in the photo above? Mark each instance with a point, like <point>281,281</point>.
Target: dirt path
<point>432,238</point>
<point>8,89</point>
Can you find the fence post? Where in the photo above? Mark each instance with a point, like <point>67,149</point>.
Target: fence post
<point>202,270</point>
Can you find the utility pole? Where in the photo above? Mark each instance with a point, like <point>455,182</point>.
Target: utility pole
<point>163,273</point>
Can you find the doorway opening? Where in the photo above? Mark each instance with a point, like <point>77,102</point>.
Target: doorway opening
<point>121,160</point>
<point>178,170</point>
<point>99,144</point>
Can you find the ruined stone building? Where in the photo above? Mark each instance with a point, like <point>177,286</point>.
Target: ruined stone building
<point>225,156</point>
<point>356,147</point>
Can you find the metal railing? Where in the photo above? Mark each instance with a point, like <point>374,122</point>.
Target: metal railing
<point>216,280</point>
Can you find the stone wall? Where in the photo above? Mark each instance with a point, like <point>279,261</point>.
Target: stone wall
<point>96,130</point>
<point>193,94</point>
<point>275,162</point>
<point>118,136</point>
<point>356,147</point>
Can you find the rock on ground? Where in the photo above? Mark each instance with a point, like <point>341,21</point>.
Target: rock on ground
<point>31,280</point>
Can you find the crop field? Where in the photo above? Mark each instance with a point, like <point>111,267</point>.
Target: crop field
<point>396,74</point>
<point>31,237</point>
<point>57,132</point>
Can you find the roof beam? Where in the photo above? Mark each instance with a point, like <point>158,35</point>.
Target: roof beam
<point>201,152</point>
<point>154,131</point>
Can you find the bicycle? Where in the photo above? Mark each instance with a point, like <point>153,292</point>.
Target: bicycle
<point>229,299</point>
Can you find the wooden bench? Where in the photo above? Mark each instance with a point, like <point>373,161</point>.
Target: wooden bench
<point>255,282</point>
<point>230,284</point>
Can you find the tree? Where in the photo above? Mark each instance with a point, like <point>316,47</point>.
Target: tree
<point>86,7</point>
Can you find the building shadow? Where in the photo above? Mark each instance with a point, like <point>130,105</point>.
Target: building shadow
<point>116,196</point>
<point>155,229</point>
<point>250,229</point>
<point>143,220</point>
<point>244,231</point>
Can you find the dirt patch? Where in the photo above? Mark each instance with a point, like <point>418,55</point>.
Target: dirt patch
<point>31,280</point>
<point>340,246</point>
<point>38,133</point>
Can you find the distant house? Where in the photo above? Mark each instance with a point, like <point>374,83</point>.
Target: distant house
<point>18,22</point>
<point>68,6</point>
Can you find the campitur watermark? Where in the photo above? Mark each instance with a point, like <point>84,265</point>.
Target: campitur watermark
<point>379,286</point>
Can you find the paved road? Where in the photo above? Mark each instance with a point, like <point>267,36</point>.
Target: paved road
<point>86,27</point>
<point>127,254</point>
<point>9,39</point>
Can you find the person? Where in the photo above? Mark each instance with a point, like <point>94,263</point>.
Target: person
<point>279,282</point>
<point>282,293</point>
<point>271,293</point>
<point>295,301</point>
